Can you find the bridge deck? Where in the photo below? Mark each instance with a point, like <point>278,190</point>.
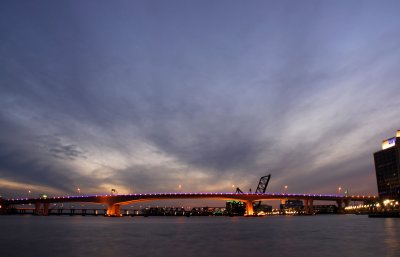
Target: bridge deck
<point>132,198</point>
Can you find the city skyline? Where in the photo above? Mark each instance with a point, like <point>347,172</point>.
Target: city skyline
<point>201,96</point>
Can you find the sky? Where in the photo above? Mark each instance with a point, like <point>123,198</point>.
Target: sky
<point>144,96</point>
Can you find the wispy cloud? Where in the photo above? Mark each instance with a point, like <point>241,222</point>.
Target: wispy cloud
<point>205,95</point>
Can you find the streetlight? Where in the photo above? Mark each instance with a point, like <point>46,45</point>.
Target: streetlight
<point>79,190</point>
<point>286,188</point>
<point>339,189</point>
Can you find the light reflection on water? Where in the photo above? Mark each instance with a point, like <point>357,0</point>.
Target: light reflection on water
<point>392,237</point>
<point>336,235</point>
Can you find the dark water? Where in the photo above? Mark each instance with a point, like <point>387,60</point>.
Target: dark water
<point>340,235</point>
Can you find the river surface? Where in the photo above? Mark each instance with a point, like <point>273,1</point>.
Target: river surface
<point>324,235</point>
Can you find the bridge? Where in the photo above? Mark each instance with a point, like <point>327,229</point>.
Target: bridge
<point>114,202</point>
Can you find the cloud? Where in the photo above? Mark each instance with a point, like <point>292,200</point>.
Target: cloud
<point>100,99</point>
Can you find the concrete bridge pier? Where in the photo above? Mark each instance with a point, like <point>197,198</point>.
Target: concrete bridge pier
<point>311,207</point>
<point>46,209</point>
<point>249,208</point>
<point>37,209</point>
<point>114,210</point>
<point>308,206</point>
<point>340,206</point>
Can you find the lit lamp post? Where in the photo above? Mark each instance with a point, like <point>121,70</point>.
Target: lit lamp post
<point>79,190</point>
<point>339,190</point>
<point>180,187</point>
<point>30,194</point>
<point>283,201</point>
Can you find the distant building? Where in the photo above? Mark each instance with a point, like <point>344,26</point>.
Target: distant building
<point>325,209</point>
<point>387,168</point>
<point>291,206</point>
<point>265,208</point>
<point>235,208</point>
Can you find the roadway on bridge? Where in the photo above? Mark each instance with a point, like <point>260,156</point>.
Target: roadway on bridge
<point>115,201</point>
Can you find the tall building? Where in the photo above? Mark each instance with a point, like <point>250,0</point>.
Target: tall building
<point>387,168</point>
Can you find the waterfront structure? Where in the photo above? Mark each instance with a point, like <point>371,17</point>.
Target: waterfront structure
<point>291,206</point>
<point>265,208</point>
<point>235,207</point>
<point>387,168</point>
<point>114,202</point>
<point>326,209</point>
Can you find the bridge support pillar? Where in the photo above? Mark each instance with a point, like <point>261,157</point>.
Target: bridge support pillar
<point>249,208</point>
<point>306,210</point>
<point>340,206</point>
<point>114,210</point>
<point>37,209</point>
<point>311,209</point>
<point>46,209</point>
<point>308,206</point>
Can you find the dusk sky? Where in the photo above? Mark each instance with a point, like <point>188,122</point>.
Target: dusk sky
<point>143,96</point>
